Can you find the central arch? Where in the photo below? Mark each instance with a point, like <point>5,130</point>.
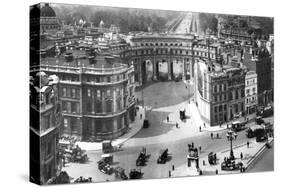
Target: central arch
<point>149,70</point>
<point>177,69</point>
<point>163,70</point>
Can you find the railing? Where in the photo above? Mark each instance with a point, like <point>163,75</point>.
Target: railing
<point>98,71</point>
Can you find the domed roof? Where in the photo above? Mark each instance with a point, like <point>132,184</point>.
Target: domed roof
<point>47,11</point>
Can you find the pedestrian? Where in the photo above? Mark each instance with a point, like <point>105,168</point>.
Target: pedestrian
<point>248,144</point>
<point>204,125</point>
<point>192,145</point>
<point>167,118</point>
<point>211,135</point>
<point>200,129</point>
<point>141,116</point>
<point>177,126</point>
<point>218,136</point>
<point>200,149</point>
<point>241,155</point>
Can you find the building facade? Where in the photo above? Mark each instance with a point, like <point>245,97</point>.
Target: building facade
<point>48,20</point>
<point>45,123</point>
<point>97,94</point>
<point>219,92</point>
<point>251,92</point>
<point>259,60</point>
<point>166,56</point>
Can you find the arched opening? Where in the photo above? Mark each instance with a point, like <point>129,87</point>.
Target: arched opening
<point>163,70</point>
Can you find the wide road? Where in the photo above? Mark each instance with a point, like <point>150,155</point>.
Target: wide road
<point>127,157</point>
<point>156,95</point>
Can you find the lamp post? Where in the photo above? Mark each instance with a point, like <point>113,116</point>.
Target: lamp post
<point>230,136</point>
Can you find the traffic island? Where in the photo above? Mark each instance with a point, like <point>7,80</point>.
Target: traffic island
<point>244,158</point>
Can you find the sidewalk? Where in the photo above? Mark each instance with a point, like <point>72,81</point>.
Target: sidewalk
<point>249,156</point>
<point>134,128</point>
<point>199,122</point>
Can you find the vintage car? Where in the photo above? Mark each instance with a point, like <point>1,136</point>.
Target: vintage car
<point>120,173</point>
<point>108,158</point>
<point>104,167</point>
<point>212,158</point>
<point>135,174</point>
<point>107,147</point>
<point>145,123</point>
<point>182,114</point>
<point>265,111</point>
<point>142,158</point>
<point>230,165</point>
<point>163,156</point>
<point>259,120</point>
<point>238,126</point>
<point>81,179</point>
<point>75,154</point>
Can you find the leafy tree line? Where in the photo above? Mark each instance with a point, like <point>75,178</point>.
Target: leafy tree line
<point>127,19</point>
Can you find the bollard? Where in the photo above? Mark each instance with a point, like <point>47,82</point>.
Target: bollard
<point>169,173</point>
<point>173,167</point>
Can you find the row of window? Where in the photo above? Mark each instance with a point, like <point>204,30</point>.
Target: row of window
<point>101,126</point>
<point>175,52</point>
<point>220,108</point>
<point>106,93</point>
<point>70,107</point>
<point>220,97</point>
<point>71,92</point>
<point>161,44</point>
<point>219,88</point>
<point>96,106</point>
<point>70,78</point>
<point>250,82</point>
<point>235,95</point>
<point>248,90</point>
<point>251,99</point>
<point>108,79</point>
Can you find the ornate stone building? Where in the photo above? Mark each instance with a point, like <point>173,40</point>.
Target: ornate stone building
<point>96,91</point>
<point>48,20</point>
<point>45,121</point>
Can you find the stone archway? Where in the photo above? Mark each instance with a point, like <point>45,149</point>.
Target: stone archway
<point>177,69</point>
<point>163,70</point>
<point>149,70</point>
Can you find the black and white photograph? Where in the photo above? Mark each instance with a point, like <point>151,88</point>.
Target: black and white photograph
<point>127,93</point>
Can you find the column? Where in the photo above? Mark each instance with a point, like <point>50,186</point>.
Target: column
<point>184,69</point>
<point>154,69</point>
<point>169,70</point>
<point>114,101</point>
<point>93,128</point>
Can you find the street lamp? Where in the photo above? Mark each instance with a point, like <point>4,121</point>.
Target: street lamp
<point>230,136</point>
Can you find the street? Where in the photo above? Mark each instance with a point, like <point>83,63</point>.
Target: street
<point>160,135</point>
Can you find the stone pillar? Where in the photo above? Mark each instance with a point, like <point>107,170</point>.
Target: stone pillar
<point>114,101</point>
<point>139,71</point>
<point>169,70</point>
<point>93,128</point>
<point>154,69</point>
<point>184,69</point>
<point>115,126</point>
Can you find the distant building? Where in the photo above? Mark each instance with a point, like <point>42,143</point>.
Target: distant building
<point>45,123</point>
<point>259,60</point>
<point>251,92</point>
<point>48,20</point>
